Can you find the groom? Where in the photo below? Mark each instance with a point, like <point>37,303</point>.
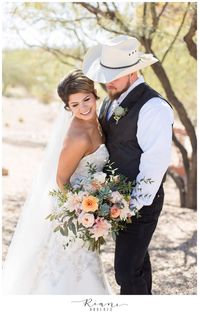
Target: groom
<point>137,123</point>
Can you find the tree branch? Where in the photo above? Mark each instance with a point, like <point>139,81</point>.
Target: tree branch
<point>183,153</point>
<point>106,14</point>
<point>177,34</point>
<point>155,18</point>
<point>162,11</point>
<point>96,10</point>
<point>172,98</point>
<point>180,184</point>
<point>188,38</point>
<point>108,29</point>
<point>144,17</point>
<point>53,51</point>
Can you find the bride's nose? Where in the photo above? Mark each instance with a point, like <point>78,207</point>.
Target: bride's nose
<point>84,108</point>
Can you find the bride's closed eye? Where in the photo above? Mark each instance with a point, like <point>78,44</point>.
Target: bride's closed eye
<point>74,105</point>
<point>87,99</point>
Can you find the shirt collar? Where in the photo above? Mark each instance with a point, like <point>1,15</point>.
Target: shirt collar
<point>138,81</point>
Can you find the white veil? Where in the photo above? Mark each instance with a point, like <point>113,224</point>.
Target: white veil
<point>33,230</point>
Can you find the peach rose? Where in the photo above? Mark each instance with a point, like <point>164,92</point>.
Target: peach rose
<point>96,185</point>
<point>115,211</point>
<point>90,204</point>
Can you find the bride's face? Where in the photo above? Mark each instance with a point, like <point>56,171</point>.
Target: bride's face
<point>83,105</point>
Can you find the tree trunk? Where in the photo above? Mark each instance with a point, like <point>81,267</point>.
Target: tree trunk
<point>191,192</point>
<point>187,188</point>
<point>162,76</point>
<point>180,183</point>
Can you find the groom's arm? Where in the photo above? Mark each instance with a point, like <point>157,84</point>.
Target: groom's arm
<point>154,135</point>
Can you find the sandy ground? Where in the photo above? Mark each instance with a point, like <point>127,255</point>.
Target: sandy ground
<point>26,129</point>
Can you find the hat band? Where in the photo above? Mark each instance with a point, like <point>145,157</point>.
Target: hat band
<point>120,67</point>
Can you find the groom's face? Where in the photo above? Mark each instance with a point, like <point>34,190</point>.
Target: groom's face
<point>118,86</point>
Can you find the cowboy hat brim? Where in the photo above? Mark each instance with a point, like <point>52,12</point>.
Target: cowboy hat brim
<point>98,73</point>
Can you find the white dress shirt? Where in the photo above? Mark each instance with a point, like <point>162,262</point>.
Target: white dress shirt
<point>154,135</point>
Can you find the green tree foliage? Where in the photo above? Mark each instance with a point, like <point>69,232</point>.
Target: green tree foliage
<point>37,71</point>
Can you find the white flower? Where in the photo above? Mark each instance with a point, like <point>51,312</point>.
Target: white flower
<point>88,188</point>
<point>125,211</point>
<point>119,111</point>
<point>82,194</point>
<point>100,177</point>
<point>116,197</point>
<point>73,202</point>
<point>86,219</point>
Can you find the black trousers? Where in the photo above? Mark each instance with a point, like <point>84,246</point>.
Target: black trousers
<point>132,262</point>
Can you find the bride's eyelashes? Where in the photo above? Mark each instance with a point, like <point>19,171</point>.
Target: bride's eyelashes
<point>76,104</point>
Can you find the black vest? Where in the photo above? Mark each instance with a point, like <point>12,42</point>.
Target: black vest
<point>121,140</point>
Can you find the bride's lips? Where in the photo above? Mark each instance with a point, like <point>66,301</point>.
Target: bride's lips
<point>85,113</point>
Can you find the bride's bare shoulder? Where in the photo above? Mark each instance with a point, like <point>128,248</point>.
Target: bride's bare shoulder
<point>76,135</point>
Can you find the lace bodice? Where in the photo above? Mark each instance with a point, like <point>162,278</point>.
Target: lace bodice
<point>98,158</point>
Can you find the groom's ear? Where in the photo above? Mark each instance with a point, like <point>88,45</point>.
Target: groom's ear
<point>133,77</point>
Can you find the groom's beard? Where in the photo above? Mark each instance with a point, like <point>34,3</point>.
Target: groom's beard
<point>114,94</point>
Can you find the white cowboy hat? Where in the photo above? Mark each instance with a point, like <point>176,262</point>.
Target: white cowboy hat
<point>116,58</point>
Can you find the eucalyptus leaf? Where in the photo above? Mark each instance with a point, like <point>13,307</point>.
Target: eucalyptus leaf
<point>47,217</point>
<point>52,217</point>
<point>57,229</point>
<point>64,231</point>
<point>72,228</point>
<point>113,235</point>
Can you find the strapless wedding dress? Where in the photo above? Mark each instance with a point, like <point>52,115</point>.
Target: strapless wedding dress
<point>36,262</point>
<point>73,270</point>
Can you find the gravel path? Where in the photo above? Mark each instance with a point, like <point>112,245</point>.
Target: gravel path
<point>26,128</point>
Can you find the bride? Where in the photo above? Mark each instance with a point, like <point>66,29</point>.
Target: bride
<point>37,262</point>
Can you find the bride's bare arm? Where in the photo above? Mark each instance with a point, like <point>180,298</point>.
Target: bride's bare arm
<point>74,149</point>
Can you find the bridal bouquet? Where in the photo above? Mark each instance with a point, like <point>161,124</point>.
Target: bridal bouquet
<point>94,208</point>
